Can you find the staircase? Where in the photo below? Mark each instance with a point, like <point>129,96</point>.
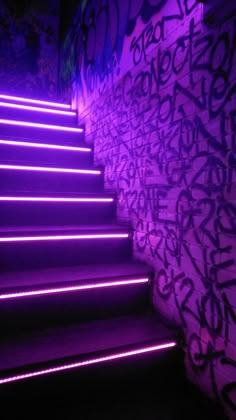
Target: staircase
<point>71,295</point>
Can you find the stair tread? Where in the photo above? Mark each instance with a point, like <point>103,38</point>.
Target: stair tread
<point>83,229</point>
<point>30,278</point>
<point>54,344</point>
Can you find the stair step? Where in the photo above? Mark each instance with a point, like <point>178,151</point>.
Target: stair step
<point>37,113</point>
<point>59,210</point>
<point>64,275</point>
<point>41,179</point>
<point>67,348</point>
<point>52,246</point>
<point>30,232</point>
<point>49,169</point>
<point>37,130</point>
<point>30,101</point>
<point>27,152</point>
<point>69,294</point>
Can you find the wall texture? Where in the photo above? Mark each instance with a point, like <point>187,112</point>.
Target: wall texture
<point>29,47</point>
<point>155,83</point>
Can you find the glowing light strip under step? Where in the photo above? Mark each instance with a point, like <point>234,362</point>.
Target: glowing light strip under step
<point>72,288</point>
<point>59,199</point>
<point>97,360</point>
<point>50,169</point>
<point>63,237</point>
<point>34,101</point>
<point>38,109</point>
<point>44,146</point>
<point>39,125</point>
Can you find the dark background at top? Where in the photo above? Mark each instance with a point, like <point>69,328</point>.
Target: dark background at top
<point>67,11</point>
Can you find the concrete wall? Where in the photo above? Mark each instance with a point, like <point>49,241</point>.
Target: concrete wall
<point>29,47</point>
<point>154,82</point>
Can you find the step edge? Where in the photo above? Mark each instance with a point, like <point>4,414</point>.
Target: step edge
<point>169,341</point>
<point>51,288</point>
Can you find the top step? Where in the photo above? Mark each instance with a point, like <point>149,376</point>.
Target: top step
<point>15,108</point>
<point>34,102</point>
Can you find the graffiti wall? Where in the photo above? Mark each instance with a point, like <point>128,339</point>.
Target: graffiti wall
<point>29,47</point>
<point>154,82</point>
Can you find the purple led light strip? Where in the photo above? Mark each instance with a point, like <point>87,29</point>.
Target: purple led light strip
<point>39,125</point>
<point>44,146</point>
<point>50,169</point>
<point>88,362</point>
<point>59,199</point>
<point>34,101</point>
<point>38,109</point>
<point>63,237</point>
<point>72,288</point>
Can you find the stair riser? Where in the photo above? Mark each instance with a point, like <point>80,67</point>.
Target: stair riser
<point>70,307</point>
<point>43,254</point>
<point>45,157</point>
<point>38,116</point>
<point>39,182</point>
<point>43,134</point>
<point>49,214</point>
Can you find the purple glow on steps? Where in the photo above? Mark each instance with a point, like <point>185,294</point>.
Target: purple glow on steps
<point>50,169</point>
<point>39,125</point>
<point>97,360</point>
<point>72,288</point>
<point>59,199</point>
<point>64,237</point>
<point>44,146</point>
<point>34,101</point>
<point>38,109</point>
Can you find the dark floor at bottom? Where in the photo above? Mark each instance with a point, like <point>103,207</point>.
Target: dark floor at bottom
<point>130,391</point>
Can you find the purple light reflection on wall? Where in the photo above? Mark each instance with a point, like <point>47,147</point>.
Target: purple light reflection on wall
<point>170,100</point>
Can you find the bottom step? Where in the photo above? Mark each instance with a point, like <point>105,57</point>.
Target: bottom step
<point>67,295</point>
<point>64,349</point>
